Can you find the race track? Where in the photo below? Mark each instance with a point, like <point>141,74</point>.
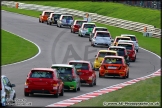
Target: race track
<point>54,43</point>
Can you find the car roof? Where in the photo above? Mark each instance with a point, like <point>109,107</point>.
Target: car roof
<point>89,23</point>
<point>63,65</point>
<point>66,15</point>
<point>121,37</point>
<point>117,47</point>
<point>80,20</point>
<point>57,13</point>
<point>48,11</point>
<point>43,69</point>
<point>126,43</point>
<point>107,51</point>
<point>128,35</point>
<point>114,56</point>
<point>2,76</point>
<point>78,61</point>
<point>100,27</point>
<point>102,31</point>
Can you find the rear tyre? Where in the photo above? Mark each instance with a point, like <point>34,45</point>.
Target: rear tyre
<point>134,59</point>
<point>137,50</point>
<point>79,87</point>
<point>75,90</point>
<point>95,82</point>
<point>57,25</point>
<point>26,94</point>
<point>39,20</point>
<point>127,75</point>
<point>89,40</point>
<point>50,23</point>
<point>62,92</point>
<point>56,95</point>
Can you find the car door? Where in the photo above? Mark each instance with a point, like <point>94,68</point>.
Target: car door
<point>8,88</point>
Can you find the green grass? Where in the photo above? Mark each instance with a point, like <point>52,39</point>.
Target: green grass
<point>143,91</point>
<point>152,44</point>
<point>116,10</point>
<point>148,90</point>
<point>15,49</point>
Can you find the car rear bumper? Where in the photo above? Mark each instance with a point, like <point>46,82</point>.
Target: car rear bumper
<point>86,81</point>
<point>46,91</point>
<point>102,44</point>
<point>70,85</point>
<point>75,30</point>
<point>112,73</point>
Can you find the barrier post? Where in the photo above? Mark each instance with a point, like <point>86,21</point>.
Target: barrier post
<point>17,5</point>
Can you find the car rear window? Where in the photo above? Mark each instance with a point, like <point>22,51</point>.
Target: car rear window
<point>103,35</point>
<point>127,46</point>
<point>57,15</point>
<point>113,61</point>
<point>48,13</point>
<point>100,29</point>
<point>41,74</point>
<point>82,66</point>
<point>67,17</point>
<point>103,54</point>
<point>63,70</point>
<point>89,25</point>
<point>80,22</point>
<point>133,38</point>
<point>120,51</point>
<point>122,39</point>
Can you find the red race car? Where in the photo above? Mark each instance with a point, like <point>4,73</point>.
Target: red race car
<point>76,25</point>
<point>130,50</point>
<point>85,70</point>
<point>43,80</point>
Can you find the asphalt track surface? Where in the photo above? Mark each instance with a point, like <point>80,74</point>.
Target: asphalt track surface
<point>55,43</point>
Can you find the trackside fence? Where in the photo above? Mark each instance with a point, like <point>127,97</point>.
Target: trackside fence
<point>125,24</point>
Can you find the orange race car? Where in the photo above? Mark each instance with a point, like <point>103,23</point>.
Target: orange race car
<point>114,66</point>
<point>44,16</point>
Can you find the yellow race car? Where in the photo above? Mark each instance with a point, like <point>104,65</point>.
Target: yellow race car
<point>100,56</point>
<point>117,38</point>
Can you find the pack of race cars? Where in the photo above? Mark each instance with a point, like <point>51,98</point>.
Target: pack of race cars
<point>114,61</point>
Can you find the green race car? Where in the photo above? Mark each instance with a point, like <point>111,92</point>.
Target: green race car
<point>86,29</point>
<point>68,74</point>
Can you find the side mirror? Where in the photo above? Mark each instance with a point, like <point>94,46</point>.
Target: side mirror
<point>13,85</point>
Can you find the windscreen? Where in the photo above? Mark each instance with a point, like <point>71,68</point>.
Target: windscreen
<point>48,13</point>
<point>63,70</point>
<point>103,54</point>
<point>41,74</point>
<point>100,29</point>
<point>133,38</point>
<point>80,22</point>
<point>103,35</point>
<point>122,39</point>
<point>82,66</point>
<point>120,51</point>
<point>89,25</point>
<point>57,15</point>
<point>113,61</point>
<point>67,17</point>
<point>127,46</point>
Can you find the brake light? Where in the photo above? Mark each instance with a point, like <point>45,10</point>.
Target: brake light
<point>27,82</point>
<point>55,85</point>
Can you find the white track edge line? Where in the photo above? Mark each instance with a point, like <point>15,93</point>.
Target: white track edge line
<point>39,50</point>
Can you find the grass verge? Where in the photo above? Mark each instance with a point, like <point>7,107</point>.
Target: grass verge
<point>15,49</point>
<point>152,44</point>
<point>143,91</point>
<point>116,10</point>
<point>148,90</point>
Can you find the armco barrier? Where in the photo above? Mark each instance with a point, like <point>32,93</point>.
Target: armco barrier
<point>125,24</point>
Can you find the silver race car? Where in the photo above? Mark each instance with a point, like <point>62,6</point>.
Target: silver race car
<point>65,20</point>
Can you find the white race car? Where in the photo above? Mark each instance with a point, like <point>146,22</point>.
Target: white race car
<point>133,38</point>
<point>86,29</point>
<point>101,38</point>
<point>8,94</point>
